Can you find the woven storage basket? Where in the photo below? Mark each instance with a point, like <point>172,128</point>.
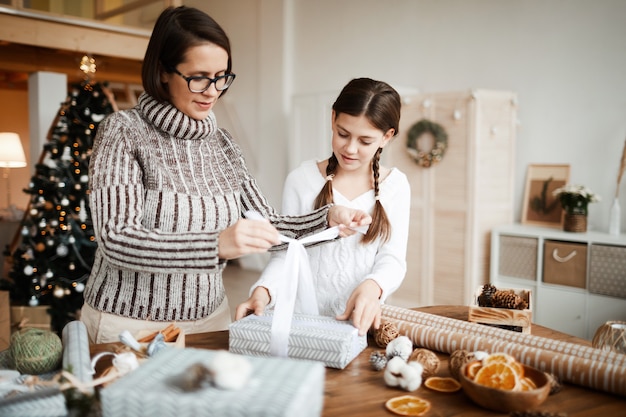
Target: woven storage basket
<point>575,223</point>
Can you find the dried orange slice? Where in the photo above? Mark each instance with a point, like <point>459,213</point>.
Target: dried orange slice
<point>505,358</point>
<point>442,384</point>
<point>519,369</point>
<point>472,369</point>
<point>527,384</point>
<point>408,405</point>
<point>497,375</point>
<point>498,357</point>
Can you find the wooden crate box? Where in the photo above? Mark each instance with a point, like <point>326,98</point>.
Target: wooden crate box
<point>512,319</point>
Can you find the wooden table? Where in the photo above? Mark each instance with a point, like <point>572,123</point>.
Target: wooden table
<point>358,390</point>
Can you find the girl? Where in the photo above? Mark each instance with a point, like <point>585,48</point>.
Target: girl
<point>352,276</point>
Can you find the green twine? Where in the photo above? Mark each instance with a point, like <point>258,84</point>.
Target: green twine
<point>36,351</point>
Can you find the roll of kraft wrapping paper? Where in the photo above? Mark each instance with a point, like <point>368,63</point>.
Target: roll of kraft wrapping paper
<point>425,332</point>
<point>418,317</point>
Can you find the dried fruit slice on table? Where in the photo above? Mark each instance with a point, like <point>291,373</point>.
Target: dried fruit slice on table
<point>408,405</point>
<point>527,384</point>
<point>505,358</point>
<point>442,384</point>
<point>498,375</point>
<point>472,369</point>
<point>498,357</point>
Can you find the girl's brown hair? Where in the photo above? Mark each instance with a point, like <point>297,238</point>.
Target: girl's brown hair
<point>381,105</point>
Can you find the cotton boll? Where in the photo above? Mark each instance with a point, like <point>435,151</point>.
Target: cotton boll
<point>125,362</point>
<point>229,371</point>
<point>393,371</point>
<point>400,346</point>
<point>412,376</point>
<point>407,376</point>
<point>479,355</point>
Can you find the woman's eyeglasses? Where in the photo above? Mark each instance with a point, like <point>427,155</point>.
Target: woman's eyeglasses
<point>201,83</point>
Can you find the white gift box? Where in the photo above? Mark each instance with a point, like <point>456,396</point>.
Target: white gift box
<point>318,338</point>
<point>277,387</point>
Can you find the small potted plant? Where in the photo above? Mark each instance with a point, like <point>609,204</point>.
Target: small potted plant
<point>575,200</point>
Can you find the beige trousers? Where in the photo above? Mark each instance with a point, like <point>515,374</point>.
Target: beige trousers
<point>106,327</point>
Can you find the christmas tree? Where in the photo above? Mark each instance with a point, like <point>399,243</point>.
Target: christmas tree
<point>54,250</point>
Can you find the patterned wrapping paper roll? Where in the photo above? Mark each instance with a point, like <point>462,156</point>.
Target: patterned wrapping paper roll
<point>584,371</point>
<point>76,354</point>
<point>432,320</point>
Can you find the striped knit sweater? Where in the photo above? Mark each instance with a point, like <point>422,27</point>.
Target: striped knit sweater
<point>163,185</point>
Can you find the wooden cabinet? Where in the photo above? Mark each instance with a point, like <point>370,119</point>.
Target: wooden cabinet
<point>456,202</point>
<point>564,300</point>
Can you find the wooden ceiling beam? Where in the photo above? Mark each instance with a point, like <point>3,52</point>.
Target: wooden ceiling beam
<point>28,59</point>
<point>75,34</point>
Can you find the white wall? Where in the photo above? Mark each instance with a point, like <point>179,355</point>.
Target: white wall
<point>566,59</point>
<point>255,104</point>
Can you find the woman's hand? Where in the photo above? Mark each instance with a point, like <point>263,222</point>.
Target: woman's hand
<point>364,307</point>
<point>346,218</point>
<point>245,237</point>
<point>256,304</point>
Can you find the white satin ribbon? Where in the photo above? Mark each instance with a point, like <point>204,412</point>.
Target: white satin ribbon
<point>295,283</point>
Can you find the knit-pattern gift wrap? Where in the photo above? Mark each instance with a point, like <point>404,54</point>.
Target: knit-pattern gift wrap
<point>276,387</point>
<point>36,351</point>
<point>317,338</point>
<point>573,363</point>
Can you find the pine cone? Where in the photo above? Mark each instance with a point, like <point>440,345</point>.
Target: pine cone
<point>485,297</point>
<point>508,299</point>
<point>378,360</point>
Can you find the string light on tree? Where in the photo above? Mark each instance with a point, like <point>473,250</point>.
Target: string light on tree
<point>55,248</point>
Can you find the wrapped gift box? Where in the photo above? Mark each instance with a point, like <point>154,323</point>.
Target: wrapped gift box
<point>277,387</point>
<point>25,316</point>
<point>318,338</point>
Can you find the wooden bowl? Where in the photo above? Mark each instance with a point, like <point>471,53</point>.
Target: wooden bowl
<point>506,400</point>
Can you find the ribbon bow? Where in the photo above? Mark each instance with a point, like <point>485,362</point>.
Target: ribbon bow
<point>295,282</point>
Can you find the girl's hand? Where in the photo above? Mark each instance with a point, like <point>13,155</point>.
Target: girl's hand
<point>245,237</point>
<point>256,304</point>
<point>364,307</point>
<point>347,217</point>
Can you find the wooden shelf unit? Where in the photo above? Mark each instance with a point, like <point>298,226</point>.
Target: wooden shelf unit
<point>518,260</point>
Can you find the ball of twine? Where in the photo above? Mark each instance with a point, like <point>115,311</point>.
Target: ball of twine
<point>36,351</point>
<point>428,359</point>
<point>385,334</point>
<point>457,359</point>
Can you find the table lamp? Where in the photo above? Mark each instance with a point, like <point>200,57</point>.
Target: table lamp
<point>11,156</point>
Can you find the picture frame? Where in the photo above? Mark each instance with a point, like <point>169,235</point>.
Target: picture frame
<point>540,207</point>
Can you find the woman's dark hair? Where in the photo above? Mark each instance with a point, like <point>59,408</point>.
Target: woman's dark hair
<point>175,31</point>
<point>381,105</point>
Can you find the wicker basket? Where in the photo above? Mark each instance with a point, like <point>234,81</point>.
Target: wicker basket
<point>611,336</point>
<point>575,223</point>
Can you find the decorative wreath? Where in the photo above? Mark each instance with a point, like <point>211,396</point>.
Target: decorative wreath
<point>435,155</point>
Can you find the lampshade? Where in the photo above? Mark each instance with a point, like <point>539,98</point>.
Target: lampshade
<point>11,151</point>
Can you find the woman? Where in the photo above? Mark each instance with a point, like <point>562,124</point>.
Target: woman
<point>352,276</point>
<point>167,191</point>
